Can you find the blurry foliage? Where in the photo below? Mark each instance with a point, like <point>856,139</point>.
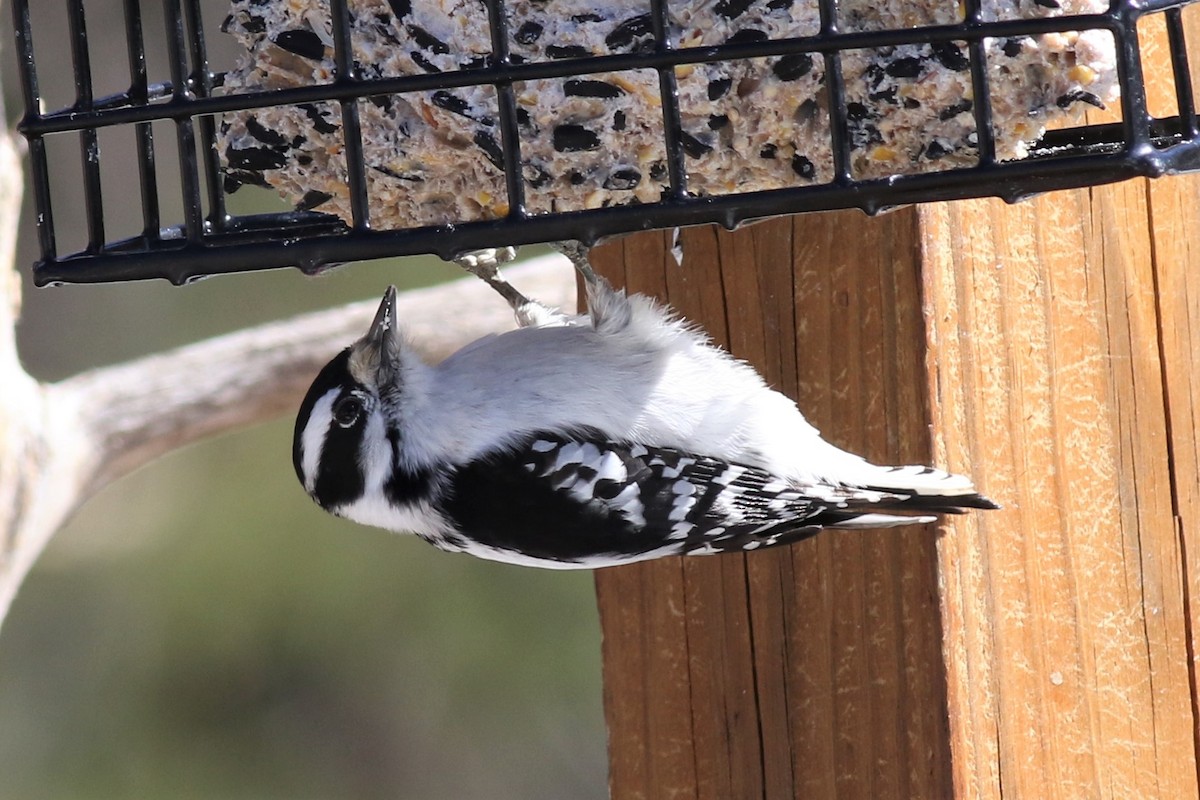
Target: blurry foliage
<point>202,630</point>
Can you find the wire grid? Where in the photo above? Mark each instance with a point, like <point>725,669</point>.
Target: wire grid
<point>208,240</point>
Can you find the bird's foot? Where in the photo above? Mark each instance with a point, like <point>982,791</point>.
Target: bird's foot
<point>485,265</point>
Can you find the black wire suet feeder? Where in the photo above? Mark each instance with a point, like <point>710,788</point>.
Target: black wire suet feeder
<point>662,190</point>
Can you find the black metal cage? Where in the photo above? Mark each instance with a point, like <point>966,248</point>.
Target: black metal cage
<point>208,239</point>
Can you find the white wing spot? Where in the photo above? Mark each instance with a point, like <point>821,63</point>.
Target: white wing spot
<point>684,488</point>
<point>569,454</point>
<point>728,475</point>
<point>677,470</point>
<point>680,509</point>
<point>629,504</point>
<point>611,468</point>
<point>543,446</point>
<point>680,530</point>
<point>589,454</point>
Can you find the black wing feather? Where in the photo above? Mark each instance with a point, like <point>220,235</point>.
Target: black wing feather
<point>571,498</point>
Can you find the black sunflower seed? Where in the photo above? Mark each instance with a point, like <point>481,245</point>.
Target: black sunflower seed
<point>424,63</point>
<point>907,67</point>
<point>631,29</point>
<point>623,179</point>
<point>528,33</point>
<point>255,158</point>
<point>693,146</point>
<point>856,112</point>
<point>950,112</point>
<point>718,88</point>
<point>264,134</point>
<point>572,138</point>
<point>301,42</point>
<point>803,167</point>
<point>747,35</point>
<point>400,176</point>
<point>313,198</point>
<point>382,101</point>
<point>732,8</point>
<point>487,143</point>
<point>317,117</point>
<point>254,24</point>
<point>567,51</point>
<point>950,56</point>
<point>1079,96</point>
<point>426,40</point>
<point>451,102</point>
<point>937,149</point>
<point>793,66</point>
<point>591,88</point>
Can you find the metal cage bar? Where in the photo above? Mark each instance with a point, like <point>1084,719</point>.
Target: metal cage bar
<point>351,132</point>
<point>672,125</point>
<point>89,140</point>
<point>200,82</point>
<point>1185,97</point>
<point>39,169</point>
<point>985,136</point>
<point>185,132</point>
<point>506,102</point>
<point>209,240</point>
<point>835,86</point>
<point>139,92</point>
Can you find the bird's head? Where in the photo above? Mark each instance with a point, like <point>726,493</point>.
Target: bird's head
<point>344,433</point>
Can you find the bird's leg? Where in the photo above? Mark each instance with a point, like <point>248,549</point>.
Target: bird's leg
<point>608,309</point>
<point>485,265</point>
<point>577,253</point>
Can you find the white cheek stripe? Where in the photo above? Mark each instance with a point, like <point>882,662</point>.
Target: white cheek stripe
<point>313,438</point>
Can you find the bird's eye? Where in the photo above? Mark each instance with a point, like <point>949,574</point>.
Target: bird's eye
<point>347,410</point>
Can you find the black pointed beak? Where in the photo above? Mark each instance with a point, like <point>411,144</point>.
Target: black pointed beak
<point>384,323</point>
<point>379,351</point>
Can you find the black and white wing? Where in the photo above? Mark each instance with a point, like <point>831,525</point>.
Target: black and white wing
<point>581,501</point>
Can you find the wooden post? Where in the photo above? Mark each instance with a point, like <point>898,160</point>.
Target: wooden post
<point>812,671</point>
<point>1041,651</point>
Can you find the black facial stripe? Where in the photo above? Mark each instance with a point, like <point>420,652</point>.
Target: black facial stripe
<point>339,477</point>
<point>332,375</point>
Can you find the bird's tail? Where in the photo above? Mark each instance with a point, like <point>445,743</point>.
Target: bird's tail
<point>904,496</point>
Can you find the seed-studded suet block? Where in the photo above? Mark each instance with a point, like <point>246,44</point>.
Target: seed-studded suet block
<point>595,140</point>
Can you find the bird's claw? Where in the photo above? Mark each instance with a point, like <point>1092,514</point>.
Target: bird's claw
<point>486,263</point>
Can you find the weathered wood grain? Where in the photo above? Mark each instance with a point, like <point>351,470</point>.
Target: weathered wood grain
<point>1066,631</point>
<point>811,671</point>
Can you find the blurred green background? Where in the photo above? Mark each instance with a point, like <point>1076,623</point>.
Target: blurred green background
<point>201,629</point>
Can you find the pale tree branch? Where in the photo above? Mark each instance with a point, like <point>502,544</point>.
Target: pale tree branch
<point>62,442</point>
